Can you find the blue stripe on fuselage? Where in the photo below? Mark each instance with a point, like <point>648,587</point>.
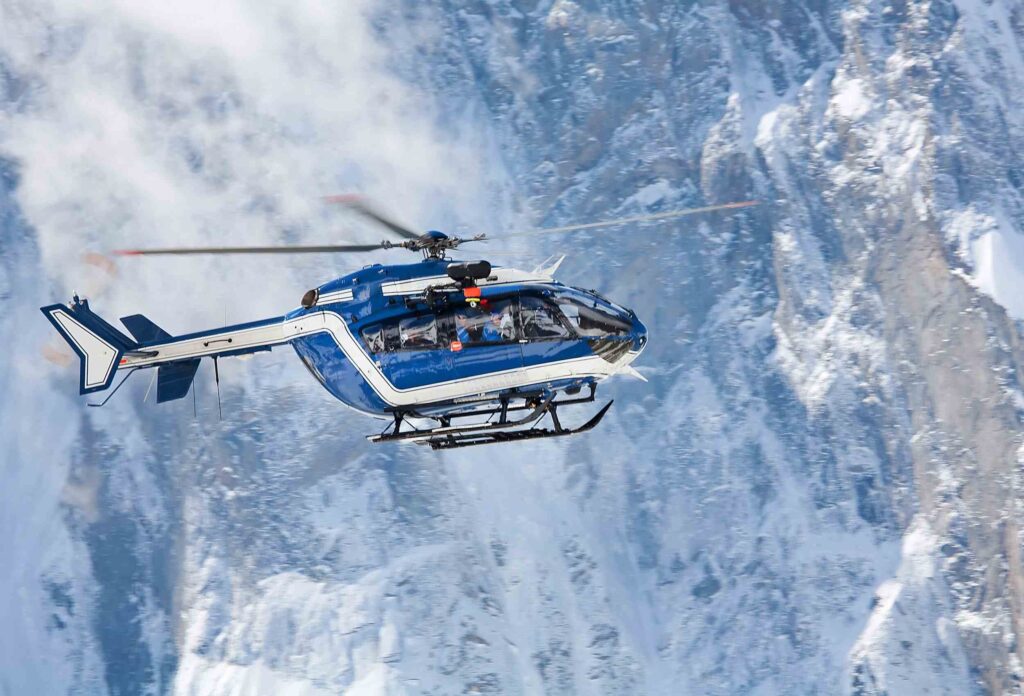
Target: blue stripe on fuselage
<point>337,374</point>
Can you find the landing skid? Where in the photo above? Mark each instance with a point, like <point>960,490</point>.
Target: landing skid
<point>504,429</point>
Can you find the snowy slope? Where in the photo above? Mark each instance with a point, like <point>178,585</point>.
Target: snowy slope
<point>816,492</point>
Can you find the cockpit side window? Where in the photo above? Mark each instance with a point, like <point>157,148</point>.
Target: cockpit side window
<point>491,322</point>
<point>540,320</point>
<point>592,321</point>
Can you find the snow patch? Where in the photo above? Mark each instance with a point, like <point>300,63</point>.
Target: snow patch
<point>910,638</point>
<point>851,99</point>
<point>993,251</point>
<point>651,194</point>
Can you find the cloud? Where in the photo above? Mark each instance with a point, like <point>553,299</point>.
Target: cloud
<point>194,123</point>
<point>146,124</point>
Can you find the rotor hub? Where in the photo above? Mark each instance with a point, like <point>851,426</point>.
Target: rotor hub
<point>433,244</point>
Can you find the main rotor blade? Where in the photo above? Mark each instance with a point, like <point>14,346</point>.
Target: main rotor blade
<point>181,251</point>
<point>636,218</point>
<point>353,202</point>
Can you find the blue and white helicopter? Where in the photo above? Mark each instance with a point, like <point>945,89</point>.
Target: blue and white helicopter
<point>480,354</point>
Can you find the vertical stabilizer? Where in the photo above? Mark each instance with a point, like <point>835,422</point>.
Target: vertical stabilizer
<point>144,330</point>
<point>98,344</point>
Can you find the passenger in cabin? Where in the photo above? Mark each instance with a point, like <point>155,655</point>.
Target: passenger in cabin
<point>418,332</point>
<point>499,326</point>
<point>469,324</point>
<point>485,323</point>
<point>375,339</point>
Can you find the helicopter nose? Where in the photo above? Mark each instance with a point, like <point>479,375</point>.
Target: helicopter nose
<point>639,335</point>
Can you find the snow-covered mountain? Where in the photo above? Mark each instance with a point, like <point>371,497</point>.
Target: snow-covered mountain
<point>817,492</point>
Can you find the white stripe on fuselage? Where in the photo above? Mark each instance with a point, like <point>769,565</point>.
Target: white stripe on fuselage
<point>333,324</point>
<point>501,276</point>
<point>336,296</point>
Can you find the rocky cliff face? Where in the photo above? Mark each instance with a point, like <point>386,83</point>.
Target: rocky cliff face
<point>816,492</point>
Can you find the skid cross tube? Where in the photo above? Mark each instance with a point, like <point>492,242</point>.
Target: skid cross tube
<point>452,441</point>
<point>446,427</point>
<point>506,404</point>
<point>449,435</point>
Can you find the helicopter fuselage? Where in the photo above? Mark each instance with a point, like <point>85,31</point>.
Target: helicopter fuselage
<point>391,337</point>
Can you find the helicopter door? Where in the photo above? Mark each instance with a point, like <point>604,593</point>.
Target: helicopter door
<point>412,351</point>
<point>547,338</point>
<point>485,340</point>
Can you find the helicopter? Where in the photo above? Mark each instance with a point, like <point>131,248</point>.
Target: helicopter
<point>479,353</point>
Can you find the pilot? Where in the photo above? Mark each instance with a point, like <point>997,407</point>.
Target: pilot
<point>482,324</point>
<point>467,325</point>
<point>490,330</point>
<point>499,325</point>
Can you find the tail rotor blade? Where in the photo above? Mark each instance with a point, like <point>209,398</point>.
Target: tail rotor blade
<point>636,218</point>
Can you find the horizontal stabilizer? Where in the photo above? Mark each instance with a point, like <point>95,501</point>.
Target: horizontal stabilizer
<point>98,344</point>
<point>144,330</point>
<point>173,380</point>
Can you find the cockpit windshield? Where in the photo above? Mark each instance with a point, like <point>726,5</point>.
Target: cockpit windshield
<point>591,320</point>
<point>540,321</point>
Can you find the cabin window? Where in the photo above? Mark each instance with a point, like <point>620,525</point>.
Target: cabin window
<point>391,339</point>
<point>488,322</point>
<point>592,321</point>
<point>540,320</point>
<point>418,332</point>
<point>374,338</point>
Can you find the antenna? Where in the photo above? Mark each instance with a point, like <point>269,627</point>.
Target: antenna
<point>152,381</point>
<point>111,394</point>
<point>216,374</point>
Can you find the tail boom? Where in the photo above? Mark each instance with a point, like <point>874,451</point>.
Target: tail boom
<point>224,342</point>
<point>103,349</point>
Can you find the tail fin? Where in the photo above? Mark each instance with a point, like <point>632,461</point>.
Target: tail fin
<point>144,330</point>
<point>173,380</point>
<point>99,345</point>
